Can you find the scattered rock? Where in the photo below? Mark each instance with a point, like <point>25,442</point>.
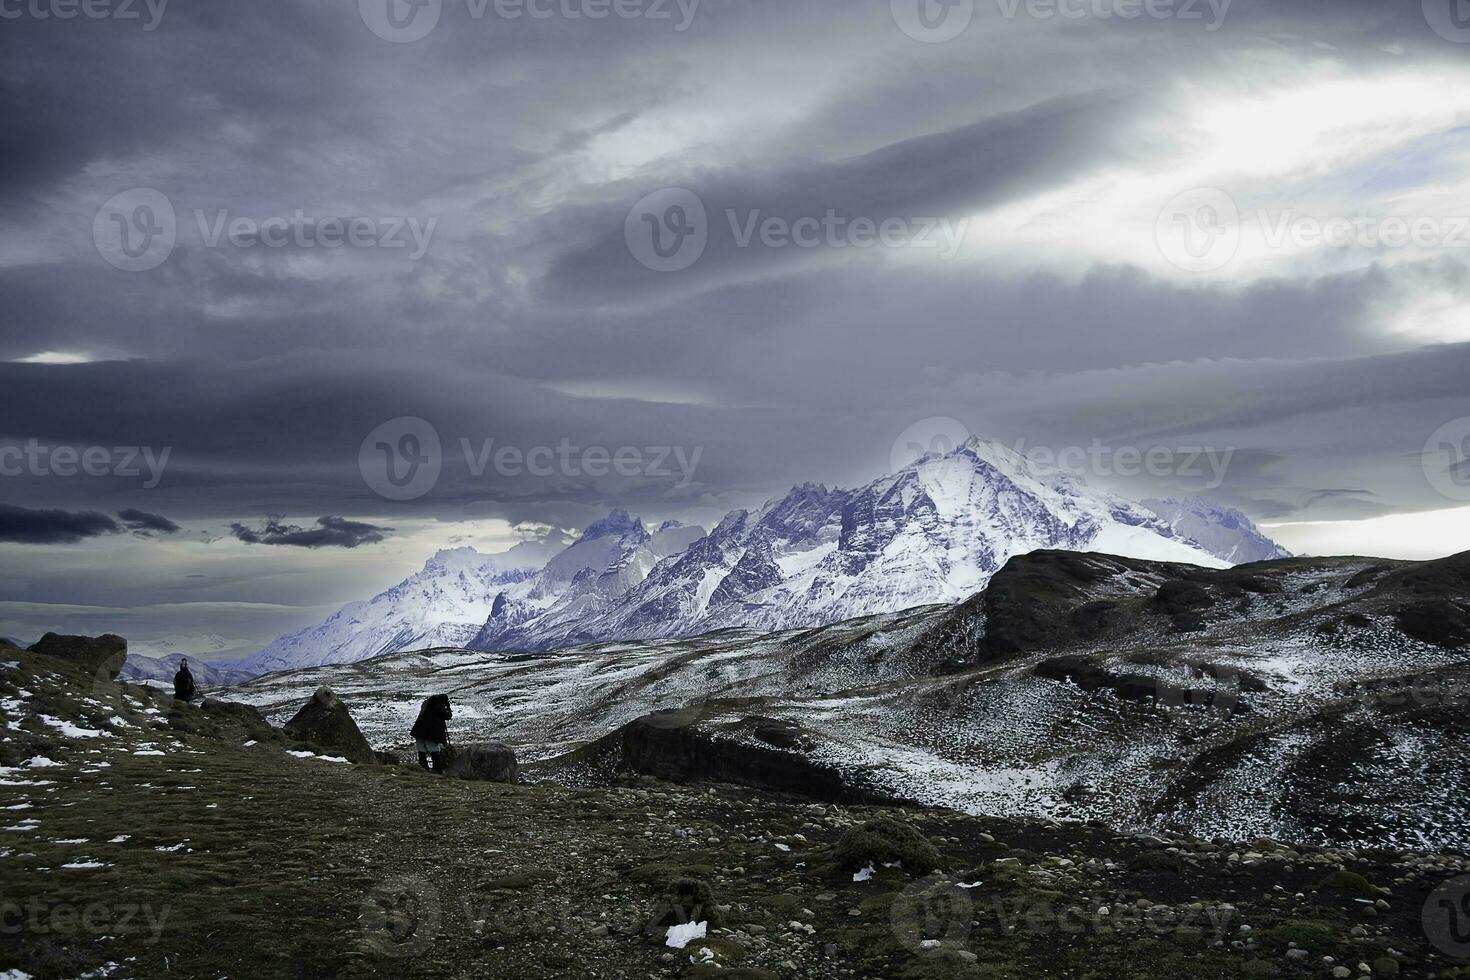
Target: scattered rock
<point>1439,621</point>
<point>325,721</point>
<point>490,761</point>
<point>95,654</point>
<point>686,900</point>
<point>884,841</point>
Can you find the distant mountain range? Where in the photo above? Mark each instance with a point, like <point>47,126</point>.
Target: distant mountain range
<point>141,668</point>
<point>934,532</point>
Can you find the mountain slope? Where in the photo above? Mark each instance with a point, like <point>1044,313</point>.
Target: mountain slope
<point>444,603</point>
<point>1223,531</point>
<point>1313,700</point>
<point>933,532</point>
<point>207,675</point>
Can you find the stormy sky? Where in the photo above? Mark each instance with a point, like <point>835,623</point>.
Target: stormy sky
<point>295,292</point>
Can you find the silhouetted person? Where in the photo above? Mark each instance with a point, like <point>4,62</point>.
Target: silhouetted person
<point>431,732</point>
<point>184,682</point>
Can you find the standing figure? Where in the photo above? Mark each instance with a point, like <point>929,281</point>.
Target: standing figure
<point>184,682</point>
<point>430,732</point>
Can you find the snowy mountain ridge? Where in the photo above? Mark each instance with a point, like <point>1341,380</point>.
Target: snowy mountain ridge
<point>934,532</point>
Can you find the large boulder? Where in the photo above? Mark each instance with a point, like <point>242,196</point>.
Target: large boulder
<point>94,654</point>
<point>492,762</point>
<point>1438,621</point>
<point>325,721</point>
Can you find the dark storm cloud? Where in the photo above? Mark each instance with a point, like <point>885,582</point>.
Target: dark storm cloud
<point>330,532</point>
<point>23,525</point>
<point>264,370</point>
<point>143,523</point>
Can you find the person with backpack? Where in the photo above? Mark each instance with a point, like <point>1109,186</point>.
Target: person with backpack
<point>431,732</point>
<point>184,688</point>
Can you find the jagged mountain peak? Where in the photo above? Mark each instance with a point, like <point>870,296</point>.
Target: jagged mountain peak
<point>935,531</point>
<point>617,524</point>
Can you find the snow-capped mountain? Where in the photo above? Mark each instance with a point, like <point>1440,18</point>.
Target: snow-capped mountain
<point>444,604</point>
<point>934,532</point>
<point>1223,531</point>
<point>583,584</point>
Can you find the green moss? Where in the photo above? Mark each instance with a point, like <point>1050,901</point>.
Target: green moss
<point>884,841</point>
<point>1348,882</point>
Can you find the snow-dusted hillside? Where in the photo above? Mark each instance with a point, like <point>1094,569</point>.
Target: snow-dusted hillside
<point>1312,700</point>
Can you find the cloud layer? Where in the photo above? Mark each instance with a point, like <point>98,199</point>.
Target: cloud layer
<point>226,285</point>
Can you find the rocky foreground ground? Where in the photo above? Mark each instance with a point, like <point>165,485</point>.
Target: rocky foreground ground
<point>141,837</point>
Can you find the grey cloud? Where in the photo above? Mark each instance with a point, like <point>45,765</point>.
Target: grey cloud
<point>330,532</point>
<point>143,523</point>
<point>24,525</point>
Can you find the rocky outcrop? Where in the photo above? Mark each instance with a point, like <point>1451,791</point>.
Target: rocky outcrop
<point>492,762</point>
<point>1438,621</point>
<point>325,721</point>
<point>95,654</point>
<point>676,746</point>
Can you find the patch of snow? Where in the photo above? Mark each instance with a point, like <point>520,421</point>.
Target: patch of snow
<point>73,731</point>
<point>682,935</point>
